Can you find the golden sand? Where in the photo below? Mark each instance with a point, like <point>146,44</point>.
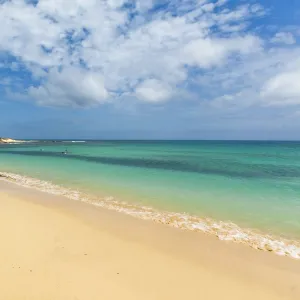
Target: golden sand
<point>227,231</point>
<point>56,248</point>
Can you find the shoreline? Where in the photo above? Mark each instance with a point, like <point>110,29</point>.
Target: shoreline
<point>9,141</point>
<point>225,231</point>
<point>70,250</point>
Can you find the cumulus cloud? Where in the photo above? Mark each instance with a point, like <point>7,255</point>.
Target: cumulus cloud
<point>152,90</point>
<point>86,52</point>
<point>206,53</point>
<point>283,88</point>
<point>247,82</point>
<point>284,38</point>
<point>70,87</point>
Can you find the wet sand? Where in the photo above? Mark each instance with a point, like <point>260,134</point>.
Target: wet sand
<point>56,248</point>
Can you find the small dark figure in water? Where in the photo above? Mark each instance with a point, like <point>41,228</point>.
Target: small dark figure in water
<point>65,152</point>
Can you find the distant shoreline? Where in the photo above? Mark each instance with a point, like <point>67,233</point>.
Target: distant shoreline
<point>151,140</point>
<point>10,141</point>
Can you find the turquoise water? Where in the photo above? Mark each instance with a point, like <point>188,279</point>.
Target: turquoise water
<point>253,184</point>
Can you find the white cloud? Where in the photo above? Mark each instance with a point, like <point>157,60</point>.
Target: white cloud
<point>241,14</point>
<point>250,82</point>
<point>71,87</point>
<point>283,38</point>
<point>208,7</point>
<point>282,89</point>
<point>233,28</point>
<point>221,2</point>
<point>153,90</point>
<point>144,5</point>
<point>206,53</point>
<point>83,52</point>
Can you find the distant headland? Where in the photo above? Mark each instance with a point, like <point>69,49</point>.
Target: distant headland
<point>9,141</point>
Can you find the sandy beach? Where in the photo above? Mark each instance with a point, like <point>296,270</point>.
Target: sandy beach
<point>56,248</point>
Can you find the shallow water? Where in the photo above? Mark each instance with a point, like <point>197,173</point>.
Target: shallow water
<point>252,184</point>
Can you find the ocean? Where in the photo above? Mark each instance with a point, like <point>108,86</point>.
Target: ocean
<point>245,191</point>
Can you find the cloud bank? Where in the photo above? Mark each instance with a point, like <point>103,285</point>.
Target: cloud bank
<point>83,53</point>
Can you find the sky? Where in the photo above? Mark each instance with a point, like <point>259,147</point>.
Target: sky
<point>150,69</point>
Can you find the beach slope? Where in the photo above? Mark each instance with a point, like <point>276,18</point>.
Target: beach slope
<point>55,248</point>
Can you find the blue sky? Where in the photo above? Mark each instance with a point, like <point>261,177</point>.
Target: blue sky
<point>191,69</point>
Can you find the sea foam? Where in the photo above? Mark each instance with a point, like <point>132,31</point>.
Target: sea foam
<point>226,231</point>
